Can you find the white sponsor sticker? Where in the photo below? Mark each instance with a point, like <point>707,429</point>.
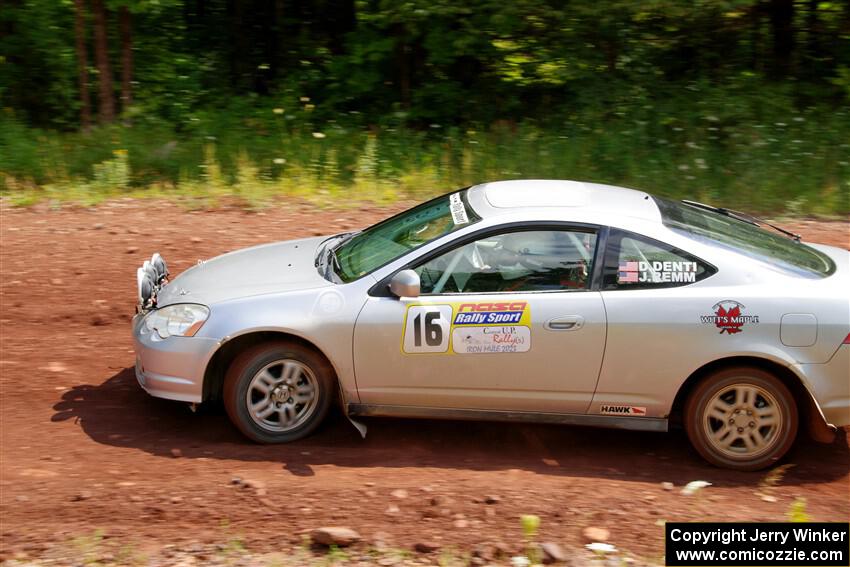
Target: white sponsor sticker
<point>657,272</point>
<point>457,209</point>
<point>489,340</point>
<point>426,329</point>
<point>622,410</point>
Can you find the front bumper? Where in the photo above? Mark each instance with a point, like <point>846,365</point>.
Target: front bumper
<point>171,368</point>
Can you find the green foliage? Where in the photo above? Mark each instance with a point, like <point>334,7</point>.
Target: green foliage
<point>530,528</point>
<point>797,511</point>
<point>38,68</point>
<point>787,161</point>
<point>347,99</point>
<point>425,61</point>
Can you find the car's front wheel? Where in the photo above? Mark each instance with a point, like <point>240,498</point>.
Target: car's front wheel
<point>741,418</point>
<point>278,392</point>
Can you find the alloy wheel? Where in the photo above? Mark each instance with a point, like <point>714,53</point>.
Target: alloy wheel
<point>282,395</point>
<point>742,420</point>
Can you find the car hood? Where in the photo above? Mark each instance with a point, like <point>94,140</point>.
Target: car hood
<point>269,268</point>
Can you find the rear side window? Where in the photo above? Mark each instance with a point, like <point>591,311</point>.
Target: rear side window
<point>744,238</point>
<point>633,261</point>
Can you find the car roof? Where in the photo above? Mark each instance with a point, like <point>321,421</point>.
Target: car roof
<point>500,197</point>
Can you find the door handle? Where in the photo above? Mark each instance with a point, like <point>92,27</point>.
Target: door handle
<point>567,323</point>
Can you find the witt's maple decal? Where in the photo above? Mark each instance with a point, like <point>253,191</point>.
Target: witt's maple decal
<point>729,317</point>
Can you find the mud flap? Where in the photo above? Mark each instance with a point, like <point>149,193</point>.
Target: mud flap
<point>819,430</point>
<point>360,427</point>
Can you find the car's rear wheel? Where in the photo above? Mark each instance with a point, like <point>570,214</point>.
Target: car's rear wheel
<point>278,392</point>
<point>741,418</point>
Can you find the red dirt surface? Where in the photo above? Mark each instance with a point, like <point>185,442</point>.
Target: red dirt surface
<point>84,448</point>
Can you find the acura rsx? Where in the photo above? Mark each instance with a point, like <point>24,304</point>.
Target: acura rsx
<point>538,301</point>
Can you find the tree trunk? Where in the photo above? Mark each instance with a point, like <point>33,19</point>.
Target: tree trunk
<point>782,27</point>
<point>402,57</point>
<point>126,58</point>
<point>106,100</point>
<point>238,49</point>
<point>611,50</point>
<point>755,16</point>
<point>279,60</point>
<point>341,20</point>
<point>82,63</point>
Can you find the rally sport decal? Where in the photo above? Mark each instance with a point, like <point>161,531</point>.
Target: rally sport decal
<point>487,327</point>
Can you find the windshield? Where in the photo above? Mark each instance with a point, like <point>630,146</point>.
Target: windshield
<point>745,238</point>
<point>398,235</point>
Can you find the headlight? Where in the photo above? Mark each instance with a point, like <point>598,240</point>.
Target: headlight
<point>182,320</point>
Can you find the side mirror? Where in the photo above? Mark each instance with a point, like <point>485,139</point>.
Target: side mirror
<point>405,284</point>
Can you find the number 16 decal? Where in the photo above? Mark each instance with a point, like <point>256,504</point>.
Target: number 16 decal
<point>426,328</point>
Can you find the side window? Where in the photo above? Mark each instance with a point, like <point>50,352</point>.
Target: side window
<point>637,262</point>
<point>533,260</point>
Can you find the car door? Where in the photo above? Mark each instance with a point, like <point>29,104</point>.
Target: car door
<point>505,321</point>
<point>661,315</point>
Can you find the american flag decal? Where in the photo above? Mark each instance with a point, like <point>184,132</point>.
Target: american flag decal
<point>628,272</point>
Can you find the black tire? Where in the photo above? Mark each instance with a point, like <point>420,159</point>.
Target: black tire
<point>758,431</point>
<point>244,373</point>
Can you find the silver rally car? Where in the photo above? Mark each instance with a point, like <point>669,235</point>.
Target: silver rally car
<point>539,301</point>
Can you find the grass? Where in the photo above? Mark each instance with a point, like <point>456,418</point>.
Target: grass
<point>797,166</point>
<point>94,549</point>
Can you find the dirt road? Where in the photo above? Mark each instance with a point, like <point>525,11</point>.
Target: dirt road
<point>85,449</point>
